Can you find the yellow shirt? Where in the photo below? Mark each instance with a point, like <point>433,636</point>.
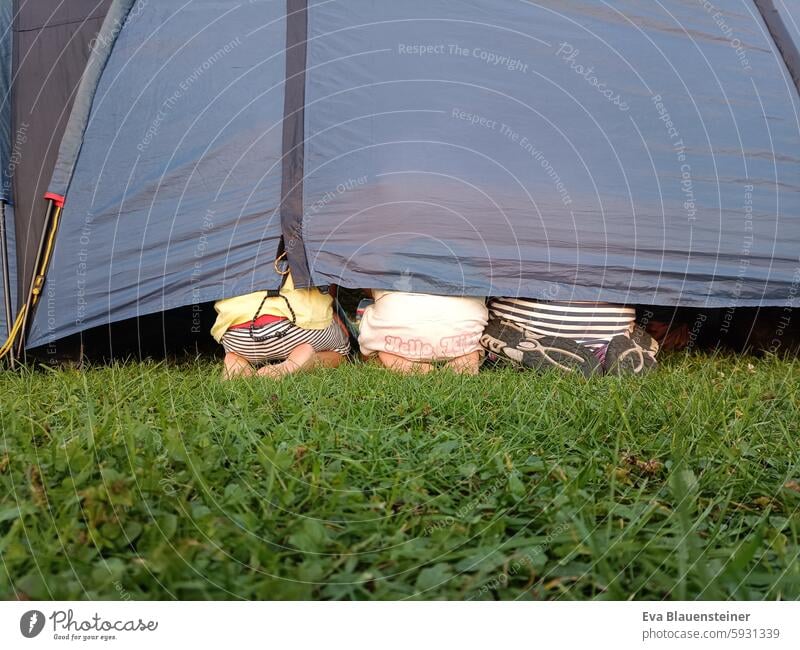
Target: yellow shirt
<point>312,308</point>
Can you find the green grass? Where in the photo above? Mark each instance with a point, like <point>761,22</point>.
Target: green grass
<point>156,481</point>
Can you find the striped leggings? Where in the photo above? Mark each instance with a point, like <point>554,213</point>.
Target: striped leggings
<point>238,340</point>
<point>592,324</point>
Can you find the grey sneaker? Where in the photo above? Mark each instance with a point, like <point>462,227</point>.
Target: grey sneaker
<point>512,342</point>
<point>631,354</point>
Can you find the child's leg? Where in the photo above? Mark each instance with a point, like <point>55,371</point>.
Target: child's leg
<point>236,366</point>
<point>402,365</point>
<point>467,364</point>
<point>303,357</point>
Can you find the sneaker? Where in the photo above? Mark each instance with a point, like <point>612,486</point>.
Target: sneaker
<point>631,354</point>
<point>512,342</point>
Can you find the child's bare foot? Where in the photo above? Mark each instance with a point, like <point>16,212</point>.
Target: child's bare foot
<point>236,365</point>
<point>303,357</point>
<point>403,365</point>
<point>330,359</point>
<point>467,364</point>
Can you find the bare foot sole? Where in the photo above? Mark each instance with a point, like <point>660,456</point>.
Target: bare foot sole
<point>403,365</point>
<point>469,364</point>
<point>303,357</point>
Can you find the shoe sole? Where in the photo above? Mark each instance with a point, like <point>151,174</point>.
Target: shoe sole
<point>631,355</point>
<point>539,353</point>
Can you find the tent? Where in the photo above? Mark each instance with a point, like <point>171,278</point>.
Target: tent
<point>44,48</point>
<point>645,153</point>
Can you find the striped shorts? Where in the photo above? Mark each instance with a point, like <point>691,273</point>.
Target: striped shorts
<point>592,324</point>
<point>238,340</point>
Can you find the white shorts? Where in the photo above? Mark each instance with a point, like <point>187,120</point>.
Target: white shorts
<point>422,327</point>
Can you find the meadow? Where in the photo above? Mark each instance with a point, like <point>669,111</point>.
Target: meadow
<point>160,481</point>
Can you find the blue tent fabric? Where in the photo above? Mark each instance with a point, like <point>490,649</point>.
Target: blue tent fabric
<point>6,40</point>
<point>619,151</point>
<point>175,194</point>
<point>789,11</point>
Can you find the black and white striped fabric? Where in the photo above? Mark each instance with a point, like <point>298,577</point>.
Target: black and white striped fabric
<point>588,323</point>
<point>238,340</point>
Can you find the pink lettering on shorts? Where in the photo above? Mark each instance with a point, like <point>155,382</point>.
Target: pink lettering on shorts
<point>456,346</point>
<point>410,348</point>
<point>449,347</point>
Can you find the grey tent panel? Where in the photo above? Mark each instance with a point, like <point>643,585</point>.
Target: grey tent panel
<point>72,139</point>
<point>6,167</point>
<point>781,20</point>
<point>6,40</point>
<point>621,151</point>
<point>292,174</point>
<point>12,268</point>
<point>33,16</point>
<point>175,194</point>
<point>53,39</point>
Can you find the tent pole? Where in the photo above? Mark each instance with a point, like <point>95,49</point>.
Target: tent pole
<point>37,281</point>
<point>6,273</point>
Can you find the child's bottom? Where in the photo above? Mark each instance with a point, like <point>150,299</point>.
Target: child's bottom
<point>271,348</point>
<point>296,349</point>
<point>467,364</point>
